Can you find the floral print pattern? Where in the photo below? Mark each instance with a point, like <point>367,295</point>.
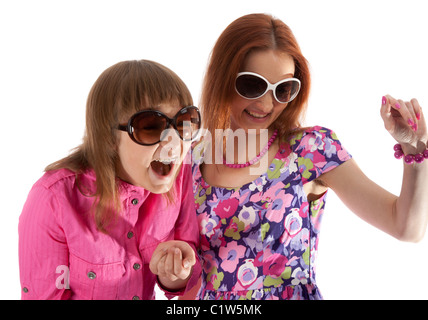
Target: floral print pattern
<point>260,241</point>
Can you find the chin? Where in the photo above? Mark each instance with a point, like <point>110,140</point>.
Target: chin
<point>158,183</point>
<point>159,189</point>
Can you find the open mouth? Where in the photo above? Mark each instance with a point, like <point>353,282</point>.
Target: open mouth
<point>163,166</point>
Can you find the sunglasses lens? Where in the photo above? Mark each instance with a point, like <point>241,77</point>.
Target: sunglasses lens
<point>287,91</point>
<point>188,122</point>
<point>250,86</point>
<point>148,127</point>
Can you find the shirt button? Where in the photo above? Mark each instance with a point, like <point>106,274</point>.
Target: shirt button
<point>25,289</point>
<point>130,234</point>
<point>136,266</point>
<point>134,201</point>
<point>135,298</point>
<point>92,275</point>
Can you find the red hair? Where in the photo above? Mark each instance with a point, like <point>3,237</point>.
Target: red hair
<point>244,35</point>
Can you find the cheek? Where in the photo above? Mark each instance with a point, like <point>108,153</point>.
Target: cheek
<point>133,156</point>
<point>238,106</point>
<point>239,103</point>
<point>279,109</point>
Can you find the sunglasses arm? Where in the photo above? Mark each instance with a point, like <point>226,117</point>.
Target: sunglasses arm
<point>122,128</point>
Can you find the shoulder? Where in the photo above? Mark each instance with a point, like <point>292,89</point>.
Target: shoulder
<point>319,144</point>
<point>54,178</point>
<point>50,186</point>
<point>44,200</point>
<point>312,136</point>
<point>64,184</point>
<point>315,139</point>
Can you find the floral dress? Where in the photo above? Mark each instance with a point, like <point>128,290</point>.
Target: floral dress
<point>260,240</point>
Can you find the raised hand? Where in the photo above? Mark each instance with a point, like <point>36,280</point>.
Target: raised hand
<point>405,121</point>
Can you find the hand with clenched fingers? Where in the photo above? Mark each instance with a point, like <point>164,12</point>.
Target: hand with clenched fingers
<point>405,121</point>
<point>172,262</point>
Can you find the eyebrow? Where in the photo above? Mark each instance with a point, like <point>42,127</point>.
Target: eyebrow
<point>291,75</point>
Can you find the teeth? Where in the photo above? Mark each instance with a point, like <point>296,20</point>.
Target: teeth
<point>166,161</point>
<point>256,115</point>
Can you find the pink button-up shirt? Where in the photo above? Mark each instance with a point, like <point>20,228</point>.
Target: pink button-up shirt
<point>62,255</point>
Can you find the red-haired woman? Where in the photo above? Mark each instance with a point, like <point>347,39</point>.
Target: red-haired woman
<point>259,233</point>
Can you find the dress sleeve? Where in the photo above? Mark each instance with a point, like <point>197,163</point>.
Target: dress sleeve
<point>43,250</point>
<point>187,229</point>
<point>318,152</point>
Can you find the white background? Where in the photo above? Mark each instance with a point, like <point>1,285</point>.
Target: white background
<point>53,51</point>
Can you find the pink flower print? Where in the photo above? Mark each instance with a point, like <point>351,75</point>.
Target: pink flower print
<point>226,208</point>
<point>230,255</point>
<point>343,155</point>
<point>293,222</point>
<point>276,210</point>
<point>210,261</point>
<point>207,225</point>
<point>312,142</point>
<point>275,265</point>
<point>271,193</point>
<point>287,294</point>
<point>247,273</point>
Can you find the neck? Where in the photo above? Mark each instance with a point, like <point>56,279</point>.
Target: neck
<point>249,148</point>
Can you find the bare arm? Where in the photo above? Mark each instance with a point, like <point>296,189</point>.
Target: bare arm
<point>406,216</point>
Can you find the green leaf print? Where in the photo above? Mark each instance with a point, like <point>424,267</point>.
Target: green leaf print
<point>215,278</point>
<point>276,173</point>
<point>234,228</point>
<point>265,228</point>
<point>306,256</point>
<point>276,282</point>
<point>308,166</point>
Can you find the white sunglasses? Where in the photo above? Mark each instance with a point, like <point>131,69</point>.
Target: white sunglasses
<point>250,85</point>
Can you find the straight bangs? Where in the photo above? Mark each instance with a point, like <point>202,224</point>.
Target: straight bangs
<point>146,85</point>
<point>120,91</point>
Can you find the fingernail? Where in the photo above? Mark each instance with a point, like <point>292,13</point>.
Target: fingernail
<point>383,100</point>
<point>415,127</point>
<point>185,264</point>
<point>410,122</point>
<point>177,251</point>
<point>397,105</point>
<point>418,115</point>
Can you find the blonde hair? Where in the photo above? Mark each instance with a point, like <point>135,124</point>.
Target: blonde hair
<point>120,91</point>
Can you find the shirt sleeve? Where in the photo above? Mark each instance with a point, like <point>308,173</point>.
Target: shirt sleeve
<point>187,229</point>
<point>43,251</point>
<point>318,152</point>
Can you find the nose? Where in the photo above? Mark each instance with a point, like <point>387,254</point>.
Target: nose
<point>268,101</point>
<point>170,143</point>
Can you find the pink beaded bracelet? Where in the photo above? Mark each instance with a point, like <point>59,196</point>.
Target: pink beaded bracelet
<point>410,158</point>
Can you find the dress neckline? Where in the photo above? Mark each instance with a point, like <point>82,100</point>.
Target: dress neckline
<point>281,154</point>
